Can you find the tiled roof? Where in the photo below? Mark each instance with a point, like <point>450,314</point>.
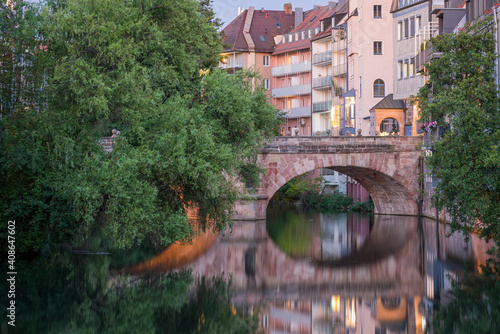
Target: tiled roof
<point>312,20</point>
<point>265,25</point>
<point>389,103</point>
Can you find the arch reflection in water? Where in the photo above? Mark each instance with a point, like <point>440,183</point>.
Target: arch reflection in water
<point>334,238</point>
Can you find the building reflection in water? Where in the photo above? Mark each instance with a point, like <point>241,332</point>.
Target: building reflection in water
<point>342,315</point>
<point>314,272</point>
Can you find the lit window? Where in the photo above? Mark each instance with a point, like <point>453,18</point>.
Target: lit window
<point>377,12</point>
<point>379,88</point>
<point>377,48</point>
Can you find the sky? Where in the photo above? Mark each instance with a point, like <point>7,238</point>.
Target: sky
<point>227,10</point>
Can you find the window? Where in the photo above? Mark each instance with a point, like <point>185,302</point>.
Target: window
<point>310,33</point>
<point>412,27</point>
<point>266,84</point>
<point>400,30</point>
<point>290,38</point>
<point>412,66</point>
<point>400,69</point>
<point>303,34</point>
<point>284,39</point>
<point>377,48</point>
<point>407,68</point>
<point>377,12</point>
<point>265,60</point>
<point>419,24</point>
<point>296,36</point>
<point>389,125</point>
<point>379,88</point>
<point>406,28</point>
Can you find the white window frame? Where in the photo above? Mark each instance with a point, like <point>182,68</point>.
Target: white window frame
<point>266,61</point>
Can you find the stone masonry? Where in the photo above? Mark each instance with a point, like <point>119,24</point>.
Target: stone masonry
<point>387,167</point>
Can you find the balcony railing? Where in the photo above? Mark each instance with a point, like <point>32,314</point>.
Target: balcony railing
<point>425,56</point>
<point>293,90</point>
<point>340,69</point>
<point>322,106</point>
<point>297,112</point>
<point>322,82</point>
<point>292,68</point>
<point>322,57</point>
<point>340,45</point>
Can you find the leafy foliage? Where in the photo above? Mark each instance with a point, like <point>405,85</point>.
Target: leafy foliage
<point>462,92</point>
<point>134,66</point>
<point>474,307</point>
<point>93,302</point>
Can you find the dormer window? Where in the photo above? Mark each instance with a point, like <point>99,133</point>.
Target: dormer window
<point>303,34</point>
<point>296,36</point>
<point>290,38</point>
<point>316,30</point>
<point>284,39</point>
<point>310,33</point>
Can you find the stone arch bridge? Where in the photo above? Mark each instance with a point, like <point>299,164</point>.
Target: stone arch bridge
<point>389,168</point>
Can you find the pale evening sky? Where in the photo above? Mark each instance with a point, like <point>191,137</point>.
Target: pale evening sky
<point>227,10</point>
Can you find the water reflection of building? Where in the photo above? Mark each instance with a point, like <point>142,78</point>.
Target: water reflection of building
<point>346,315</point>
<point>341,234</point>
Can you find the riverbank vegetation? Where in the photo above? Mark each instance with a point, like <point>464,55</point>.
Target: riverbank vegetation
<point>307,191</point>
<point>76,69</point>
<point>462,97</point>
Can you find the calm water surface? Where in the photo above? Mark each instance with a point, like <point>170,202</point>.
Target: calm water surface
<point>302,270</point>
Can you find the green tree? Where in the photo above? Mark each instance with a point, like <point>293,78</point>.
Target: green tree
<point>462,93</point>
<point>134,66</point>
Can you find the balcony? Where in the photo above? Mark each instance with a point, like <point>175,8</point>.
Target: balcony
<point>423,57</point>
<point>339,45</point>
<point>339,70</point>
<point>322,106</point>
<point>322,82</point>
<point>291,69</point>
<point>297,112</point>
<point>293,90</point>
<point>322,57</point>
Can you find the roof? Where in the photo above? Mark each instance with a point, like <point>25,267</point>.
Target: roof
<point>312,19</point>
<point>259,32</point>
<point>388,102</point>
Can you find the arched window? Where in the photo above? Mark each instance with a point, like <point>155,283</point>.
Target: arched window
<point>379,88</point>
<point>389,125</point>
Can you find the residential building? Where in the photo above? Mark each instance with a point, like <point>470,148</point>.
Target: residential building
<point>322,83</point>
<point>362,62</point>
<point>414,23</point>
<point>291,70</point>
<point>251,38</point>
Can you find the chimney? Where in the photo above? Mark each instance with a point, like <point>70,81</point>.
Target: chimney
<point>240,10</point>
<point>287,8</point>
<point>316,7</point>
<point>331,5</point>
<point>299,16</point>
<point>341,3</point>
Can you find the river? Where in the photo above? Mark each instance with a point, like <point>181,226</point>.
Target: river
<point>301,271</point>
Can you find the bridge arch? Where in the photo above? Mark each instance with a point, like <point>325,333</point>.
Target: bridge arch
<point>387,167</point>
